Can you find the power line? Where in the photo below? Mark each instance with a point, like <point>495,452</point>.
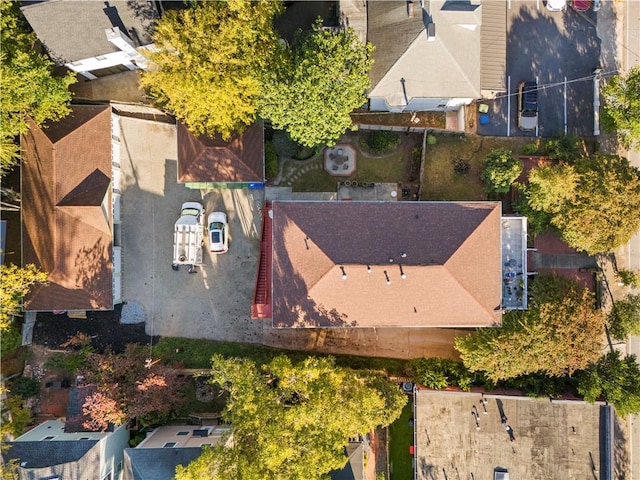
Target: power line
<point>558,84</point>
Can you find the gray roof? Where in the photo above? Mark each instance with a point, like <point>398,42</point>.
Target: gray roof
<point>354,469</point>
<point>447,67</point>
<point>43,454</point>
<point>72,30</point>
<point>391,30</point>
<point>156,463</point>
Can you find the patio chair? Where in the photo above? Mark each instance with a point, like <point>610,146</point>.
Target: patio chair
<point>345,166</point>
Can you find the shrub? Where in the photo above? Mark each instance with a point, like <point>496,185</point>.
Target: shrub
<point>69,362</point>
<point>439,373</point>
<point>629,278</point>
<point>10,340</point>
<point>461,166</point>
<point>20,416</point>
<point>530,148</point>
<point>24,387</point>
<point>271,160</point>
<point>501,169</point>
<point>305,152</point>
<point>562,147</point>
<point>416,162</point>
<point>284,146</point>
<point>380,141</point>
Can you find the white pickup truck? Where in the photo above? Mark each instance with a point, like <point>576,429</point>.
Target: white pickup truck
<point>188,237</point>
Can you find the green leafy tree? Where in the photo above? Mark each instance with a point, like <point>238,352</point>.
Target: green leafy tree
<point>560,333</point>
<point>28,85</point>
<point>605,212</point>
<point>594,203</point>
<point>614,378</point>
<point>624,317</point>
<point>622,106</point>
<point>15,283</point>
<point>210,63</point>
<point>292,420</point>
<point>323,80</point>
<point>551,187</point>
<point>500,170</point>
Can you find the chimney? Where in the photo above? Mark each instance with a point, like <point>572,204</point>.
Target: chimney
<point>410,9</point>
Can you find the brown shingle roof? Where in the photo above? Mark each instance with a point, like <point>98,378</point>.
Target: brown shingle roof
<point>66,210</point>
<point>452,264</point>
<point>211,159</point>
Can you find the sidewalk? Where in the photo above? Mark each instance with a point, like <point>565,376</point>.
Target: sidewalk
<point>629,257</point>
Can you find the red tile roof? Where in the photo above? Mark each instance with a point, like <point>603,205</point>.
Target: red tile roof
<point>66,210</point>
<point>452,264</point>
<point>211,159</point>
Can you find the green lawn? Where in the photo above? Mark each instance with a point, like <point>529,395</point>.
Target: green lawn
<point>441,182</point>
<point>388,168</point>
<point>400,439</point>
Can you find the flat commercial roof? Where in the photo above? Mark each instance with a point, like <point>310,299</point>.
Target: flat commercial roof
<point>551,439</point>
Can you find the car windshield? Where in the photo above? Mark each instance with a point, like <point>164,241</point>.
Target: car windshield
<point>191,211</point>
<point>530,97</point>
<point>216,226</point>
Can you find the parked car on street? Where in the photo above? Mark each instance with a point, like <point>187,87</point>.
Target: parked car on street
<point>556,5</point>
<point>581,5</point>
<point>528,106</point>
<point>218,232</point>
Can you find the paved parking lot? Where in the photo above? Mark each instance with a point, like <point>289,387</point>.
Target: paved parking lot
<point>215,302</point>
<point>552,47</point>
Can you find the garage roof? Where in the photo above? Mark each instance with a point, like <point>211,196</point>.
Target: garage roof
<point>211,159</point>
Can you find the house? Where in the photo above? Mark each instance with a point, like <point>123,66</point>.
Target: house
<point>354,468</point>
<point>166,447</point>
<point>435,54</point>
<point>211,162</point>
<point>65,449</point>
<point>70,210</point>
<point>94,38</point>
<point>474,435</point>
<point>385,264</point>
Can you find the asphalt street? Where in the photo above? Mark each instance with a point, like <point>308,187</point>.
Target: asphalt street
<point>560,50</point>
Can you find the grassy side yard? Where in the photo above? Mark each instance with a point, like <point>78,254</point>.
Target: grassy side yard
<point>197,353</point>
<point>400,439</point>
<point>442,182</point>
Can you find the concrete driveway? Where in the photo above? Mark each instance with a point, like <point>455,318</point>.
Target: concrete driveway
<point>214,303</point>
<point>550,47</point>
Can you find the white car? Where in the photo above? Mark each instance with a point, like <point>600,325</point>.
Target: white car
<point>218,232</point>
<point>556,5</point>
